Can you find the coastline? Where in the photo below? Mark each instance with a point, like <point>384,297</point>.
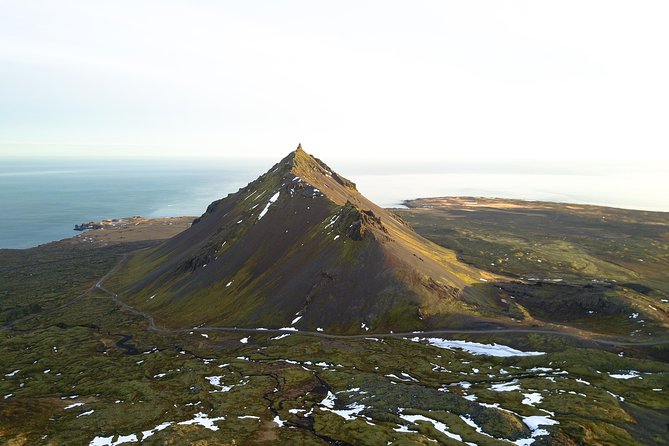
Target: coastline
<point>127,229</point>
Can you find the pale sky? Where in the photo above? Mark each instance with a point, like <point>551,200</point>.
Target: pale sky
<point>572,80</point>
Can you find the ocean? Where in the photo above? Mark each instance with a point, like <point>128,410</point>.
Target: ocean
<point>41,200</point>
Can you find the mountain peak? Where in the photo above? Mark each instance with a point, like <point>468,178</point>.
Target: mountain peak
<point>314,172</point>
<point>300,243</point>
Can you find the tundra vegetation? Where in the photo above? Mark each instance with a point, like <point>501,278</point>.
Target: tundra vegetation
<point>77,368</point>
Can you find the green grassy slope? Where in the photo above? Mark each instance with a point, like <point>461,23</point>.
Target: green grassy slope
<point>600,269</point>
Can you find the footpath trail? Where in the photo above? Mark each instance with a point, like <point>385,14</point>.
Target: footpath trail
<point>153,327</point>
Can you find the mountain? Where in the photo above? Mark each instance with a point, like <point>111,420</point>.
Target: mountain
<point>301,247</point>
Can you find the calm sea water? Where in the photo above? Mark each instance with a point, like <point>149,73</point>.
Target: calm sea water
<point>42,200</point>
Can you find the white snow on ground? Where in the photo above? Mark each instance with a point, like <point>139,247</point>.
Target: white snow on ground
<point>272,199</point>
<point>160,427</point>
<point>533,424</point>
<point>279,422</point>
<point>438,425</point>
<point>296,320</point>
<point>101,441</point>
<point>522,442</point>
<point>83,414</point>
<point>324,364</point>
<point>329,400</point>
<point>629,375</point>
<point>406,375</point>
<point>251,417</point>
<point>216,382</point>
<point>476,348</point>
<point>348,413</point>
<point>407,379</point>
<point>506,387</point>
<point>532,398</point>
<point>244,340</point>
<point>203,420</point>
<point>281,336</point>
<point>159,375</point>
<point>71,406</point>
<point>319,329</point>
<point>615,396</point>
<point>535,421</point>
<point>333,220</point>
<point>467,419</point>
<point>132,438</point>
<point>10,374</point>
<point>229,283</point>
<point>288,328</point>
<point>204,335</point>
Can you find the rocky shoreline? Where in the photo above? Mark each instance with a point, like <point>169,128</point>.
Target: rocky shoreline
<point>128,229</point>
<point>110,223</point>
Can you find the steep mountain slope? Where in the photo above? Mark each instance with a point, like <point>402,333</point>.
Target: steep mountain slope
<point>300,246</point>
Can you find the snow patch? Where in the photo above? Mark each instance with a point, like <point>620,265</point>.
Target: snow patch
<point>506,387</point>
<point>438,425</point>
<point>216,382</point>
<point>629,375</point>
<point>532,398</point>
<point>476,348</point>
<point>202,419</point>
<point>279,422</point>
<point>146,434</point>
<point>73,405</point>
<point>272,199</point>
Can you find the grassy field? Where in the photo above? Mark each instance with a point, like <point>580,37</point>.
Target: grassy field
<point>77,369</point>
<point>600,269</point>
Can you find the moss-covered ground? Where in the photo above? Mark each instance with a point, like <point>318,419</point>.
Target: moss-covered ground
<point>77,369</point>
